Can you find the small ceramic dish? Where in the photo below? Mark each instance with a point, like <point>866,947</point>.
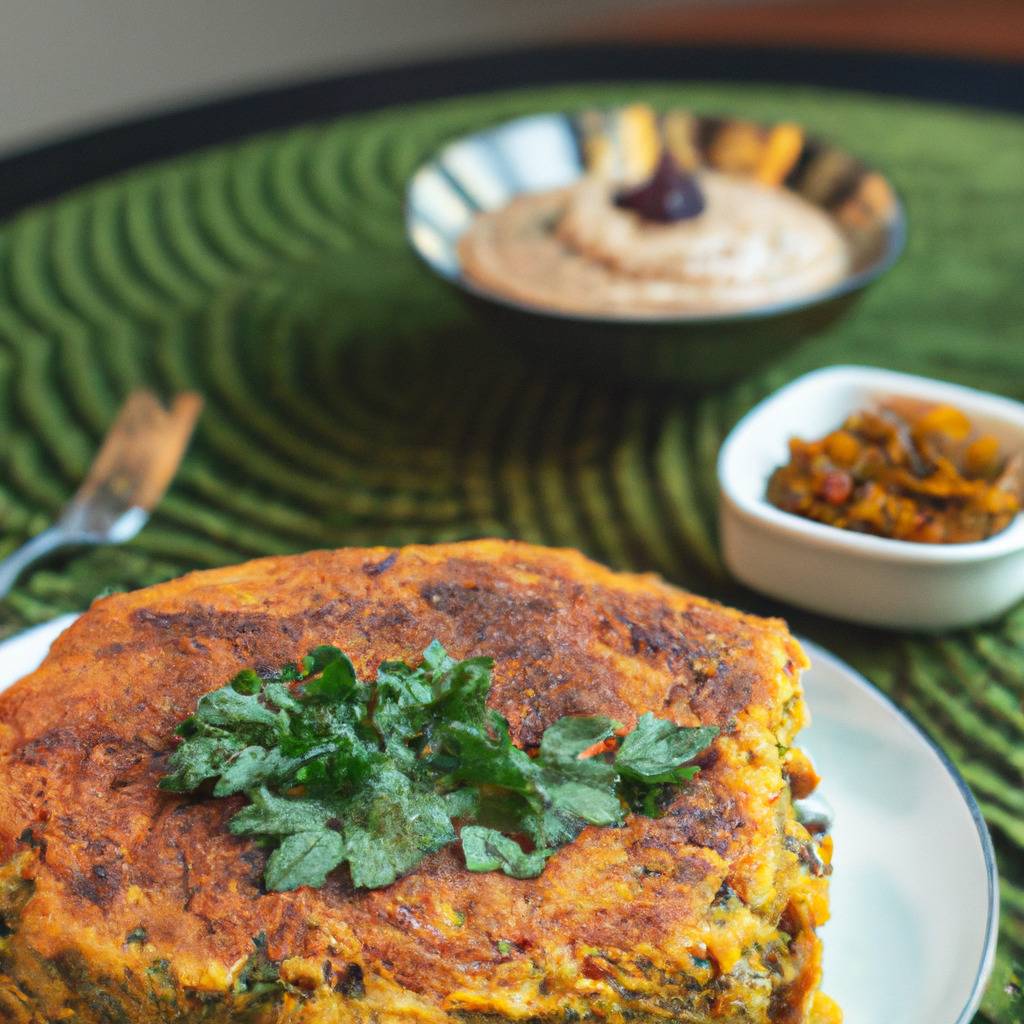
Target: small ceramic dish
<point>485,170</point>
<point>907,833</point>
<point>855,576</point>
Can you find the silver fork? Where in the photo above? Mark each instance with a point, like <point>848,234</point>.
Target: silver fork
<point>131,471</point>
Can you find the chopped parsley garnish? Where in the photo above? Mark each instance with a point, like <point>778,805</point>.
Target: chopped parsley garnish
<point>376,775</point>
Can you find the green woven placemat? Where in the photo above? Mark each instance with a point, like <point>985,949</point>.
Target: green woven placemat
<point>352,401</point>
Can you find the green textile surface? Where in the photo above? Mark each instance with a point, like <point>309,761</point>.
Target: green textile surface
<point>352,400</point>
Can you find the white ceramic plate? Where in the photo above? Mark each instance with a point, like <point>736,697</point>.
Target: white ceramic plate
<point>914,894</point>
<point>915,904</point>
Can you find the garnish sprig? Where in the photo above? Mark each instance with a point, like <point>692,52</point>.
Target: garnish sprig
<point>379,775</point>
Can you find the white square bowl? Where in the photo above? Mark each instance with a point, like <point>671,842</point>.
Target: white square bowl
<point>891,583</point>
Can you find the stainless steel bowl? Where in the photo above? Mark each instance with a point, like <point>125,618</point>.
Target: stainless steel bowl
<point>485,170</point>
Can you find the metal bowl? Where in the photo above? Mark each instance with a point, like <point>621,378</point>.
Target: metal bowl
<point>487,169</point>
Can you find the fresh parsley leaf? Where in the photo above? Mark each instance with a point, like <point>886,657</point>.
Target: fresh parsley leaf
<point>337,679</point>
<point>577,790</point>
<point>305,858</point>
<point>462,803</point>
<point>281,697</point>
<point>199,759</point>
<point>567,738</point>
<point>337,771</point>
<point>486,760</point>
<point>436,659</point>
<point>487,850</point>
<point>554,826</point>
<point>247,681</point>
<point>272,815</point>
<point>230,707</point>
<point>657,750</point>
<point>251,767</point>
<point>403,699</point>
<point>595,806</point>
<point>391,827</point>
<point>461,690</point>
<point>319,658</point>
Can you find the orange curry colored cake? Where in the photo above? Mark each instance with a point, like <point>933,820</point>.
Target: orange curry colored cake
<point>123,903</point>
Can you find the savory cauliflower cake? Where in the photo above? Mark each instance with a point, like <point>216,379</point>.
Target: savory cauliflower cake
<point>122,902</point>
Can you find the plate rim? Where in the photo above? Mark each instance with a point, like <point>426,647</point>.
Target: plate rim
<point>988,956</point>
<point>817,653</point>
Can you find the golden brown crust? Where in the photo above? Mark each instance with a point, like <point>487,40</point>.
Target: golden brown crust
<point>84,739</point>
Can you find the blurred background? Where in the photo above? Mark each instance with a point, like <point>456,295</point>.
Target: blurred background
<point>82,63</point>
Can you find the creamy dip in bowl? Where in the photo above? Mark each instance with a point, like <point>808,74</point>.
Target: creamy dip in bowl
<point>574,249</point>
<point>547,226</point>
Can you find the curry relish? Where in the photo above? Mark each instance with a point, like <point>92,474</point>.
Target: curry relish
<point>906,470</point>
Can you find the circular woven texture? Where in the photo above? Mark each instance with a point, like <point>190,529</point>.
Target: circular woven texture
<point>351,399</point>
